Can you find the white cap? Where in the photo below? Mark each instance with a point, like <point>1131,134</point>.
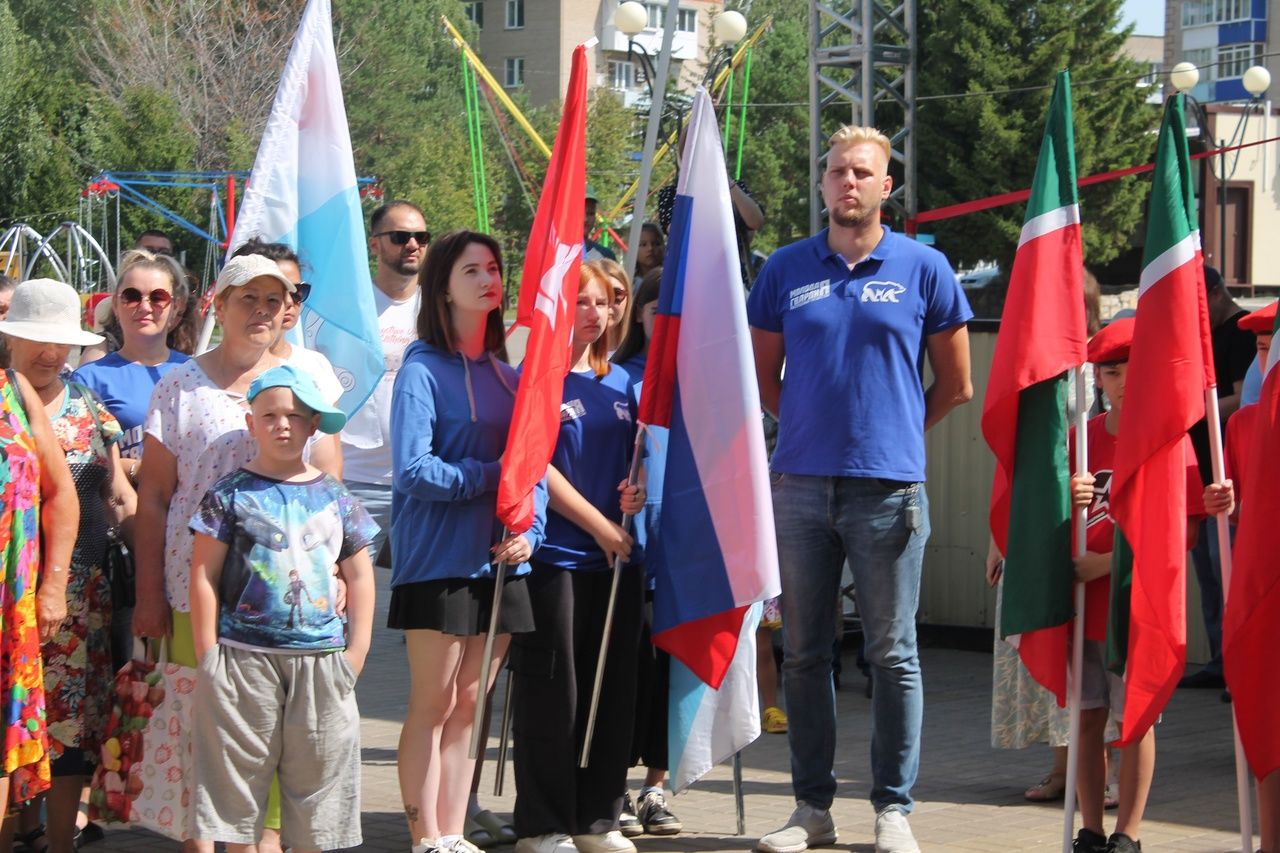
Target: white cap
<point>47,311</point>
<point>245,268</point>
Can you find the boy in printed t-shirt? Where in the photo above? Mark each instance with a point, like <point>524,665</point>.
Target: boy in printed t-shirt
<point>1102,692</point>
<point>275,688</point>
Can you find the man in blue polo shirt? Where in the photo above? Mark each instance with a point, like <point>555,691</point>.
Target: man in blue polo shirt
<point>854,312</point>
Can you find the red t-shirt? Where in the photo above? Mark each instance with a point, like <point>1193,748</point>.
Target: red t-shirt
<point>1100,537</point>
<point>1239,441</point>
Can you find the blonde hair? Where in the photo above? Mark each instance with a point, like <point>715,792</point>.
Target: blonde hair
<point>598,354</point>
<point>144,259</point>
<point>852,134</point>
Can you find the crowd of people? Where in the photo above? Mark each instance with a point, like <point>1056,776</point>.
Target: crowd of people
<point>255,512</point>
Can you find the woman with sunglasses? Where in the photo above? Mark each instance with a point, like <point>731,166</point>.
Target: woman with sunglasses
<point>326,450</point>
<point>145,304</point>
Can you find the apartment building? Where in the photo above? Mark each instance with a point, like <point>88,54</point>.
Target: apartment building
<point>1237,201</point>
<point>528,44</point>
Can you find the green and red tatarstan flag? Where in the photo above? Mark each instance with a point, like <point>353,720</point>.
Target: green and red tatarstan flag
<point>1251,621</point>
<point>1170,367</point>
<point>1042,337</point>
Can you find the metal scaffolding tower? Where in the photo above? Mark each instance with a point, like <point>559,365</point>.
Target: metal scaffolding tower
<point>862,53</point>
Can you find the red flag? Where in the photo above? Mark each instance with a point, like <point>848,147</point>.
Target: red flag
<point>1170,366</point>
<point>1042,336</point>
<point>1251,621</point>
<point>548,290</point>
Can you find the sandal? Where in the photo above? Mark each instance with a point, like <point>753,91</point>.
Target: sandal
<point>501,831</point>
<point>25,842</point>
<point>478,835</point>
<point>1047,790</point>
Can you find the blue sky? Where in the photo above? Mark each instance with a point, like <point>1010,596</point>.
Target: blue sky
<point>1147,16</point>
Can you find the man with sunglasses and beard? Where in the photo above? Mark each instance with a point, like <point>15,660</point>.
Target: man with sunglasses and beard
<point>398,238</point>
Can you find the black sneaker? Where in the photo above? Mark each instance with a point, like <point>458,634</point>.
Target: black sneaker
<point>1088,841</point>
<point>1121,843</point>
<point>656,817</point>
<point>628,823</point>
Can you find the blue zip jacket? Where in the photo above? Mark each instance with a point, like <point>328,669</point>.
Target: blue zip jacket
<point>449,422</point>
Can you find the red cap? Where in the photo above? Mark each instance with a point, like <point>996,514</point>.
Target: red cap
<point>1112,343</point>
<point>1260,322</point>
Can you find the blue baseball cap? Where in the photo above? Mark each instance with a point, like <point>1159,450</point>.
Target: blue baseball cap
<point>304,388</point>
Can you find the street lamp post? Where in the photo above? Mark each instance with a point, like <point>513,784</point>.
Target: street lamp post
<point>631,18</point>
<point>1256,80</point>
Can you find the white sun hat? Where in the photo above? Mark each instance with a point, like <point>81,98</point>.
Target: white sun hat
<point>47,311</point>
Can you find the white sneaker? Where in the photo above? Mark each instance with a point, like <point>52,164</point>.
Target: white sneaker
<point>807,827</point>
<point>893,833</point>
<point>552,842</point>
<point>612,841</point>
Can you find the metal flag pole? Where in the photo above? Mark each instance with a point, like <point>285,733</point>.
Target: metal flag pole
<point>632,478</point>
<point>477,725</point>
<point>1077,630</point>
<point>505,737</point>
<point>738,801</point>
<point>1244,807</point>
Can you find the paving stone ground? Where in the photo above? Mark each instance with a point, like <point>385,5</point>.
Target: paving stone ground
<point>969,795</point>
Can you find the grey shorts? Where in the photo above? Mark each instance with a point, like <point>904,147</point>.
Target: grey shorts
<point>260,714</point>
<point>1099,686</point>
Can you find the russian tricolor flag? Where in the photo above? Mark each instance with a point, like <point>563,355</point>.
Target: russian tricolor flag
<point>715,554</point>
<point>303,192</point>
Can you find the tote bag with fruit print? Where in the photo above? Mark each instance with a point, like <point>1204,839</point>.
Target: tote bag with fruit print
<point>145,772</point>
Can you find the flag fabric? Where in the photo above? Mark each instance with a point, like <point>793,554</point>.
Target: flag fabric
<point>708,725</point>
<point>303,192</point>
<point>714,553</point>
<point>548,291</point>
<point>1252,614</point>
<point>1042,336</point>
<point>1170,367</point>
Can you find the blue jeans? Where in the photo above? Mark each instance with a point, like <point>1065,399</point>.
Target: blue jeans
<point>881,528</point>
<point>377,502</point>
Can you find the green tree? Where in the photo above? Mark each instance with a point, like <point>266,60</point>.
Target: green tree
<point>973,144</point>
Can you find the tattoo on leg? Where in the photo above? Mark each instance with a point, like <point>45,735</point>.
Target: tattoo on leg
<point>411,811</point>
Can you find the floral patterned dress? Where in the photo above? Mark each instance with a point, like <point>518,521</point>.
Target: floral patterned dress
<point>78,676</point>
<point>26,759</point>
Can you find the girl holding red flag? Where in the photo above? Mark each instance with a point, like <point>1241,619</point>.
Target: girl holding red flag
<point>1221,497</point>
<point>450,412</point>
<point>1102,692</point>
<point>561,807</point>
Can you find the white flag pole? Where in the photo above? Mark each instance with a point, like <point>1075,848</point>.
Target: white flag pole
<point>1244,807</point>
<point>1079,546</point>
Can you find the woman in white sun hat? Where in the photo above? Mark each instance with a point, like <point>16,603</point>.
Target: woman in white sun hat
<point>42,326</point>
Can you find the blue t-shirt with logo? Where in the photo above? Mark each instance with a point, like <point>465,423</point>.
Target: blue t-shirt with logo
<point>277,587</point>
<point>593,452</point>
<point>124,387</point>
<point>852,391</point>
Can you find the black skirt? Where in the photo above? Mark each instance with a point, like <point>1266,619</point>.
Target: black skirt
<point>460,606</point>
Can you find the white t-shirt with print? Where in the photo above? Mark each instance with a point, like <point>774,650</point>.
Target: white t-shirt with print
<point>317,366</point>
<point>366,440</point>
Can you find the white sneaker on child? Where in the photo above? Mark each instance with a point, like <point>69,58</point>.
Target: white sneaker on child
<point>612,841</point>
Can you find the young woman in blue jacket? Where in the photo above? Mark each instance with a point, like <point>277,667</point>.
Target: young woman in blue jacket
<point>450,413</point>
<point>561,808</point>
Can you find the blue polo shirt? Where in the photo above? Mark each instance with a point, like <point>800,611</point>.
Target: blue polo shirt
<point>852,393</point>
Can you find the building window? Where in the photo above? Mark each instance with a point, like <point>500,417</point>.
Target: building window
<point>513,72</point>
<point>687,21</point>
<point>1152,77</point>
<point>1234,60</point>
<point>622,75</point>
<point>1196,13</point>
<point>655,15</point>
<point>475,13</point>
<point>515,14</point>
<point>1202,59</point>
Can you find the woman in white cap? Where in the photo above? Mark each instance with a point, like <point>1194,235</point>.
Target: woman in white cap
<point>195,434</point>
<point>42,326</point>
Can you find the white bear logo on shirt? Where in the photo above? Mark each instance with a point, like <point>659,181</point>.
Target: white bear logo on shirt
<point>882,291</point>
<point>622,411</point>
